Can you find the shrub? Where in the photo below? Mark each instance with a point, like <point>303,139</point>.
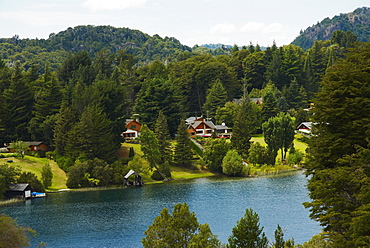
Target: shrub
<point>232,164</point>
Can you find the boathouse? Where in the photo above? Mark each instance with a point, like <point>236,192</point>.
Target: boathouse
<point>138,179</point>
<point>19,190</point>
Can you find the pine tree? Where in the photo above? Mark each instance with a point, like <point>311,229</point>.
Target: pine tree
<point>247,232</point>
<point>216,98</point>
<point>47,103</point>
<point>269,105</point>
<point>163,136</point>
<point>293,95</point>
<point>92,136</point>
<point>46,175</point>
<point>179,229</point>
<point>243,126</point>
<point>183,154</point>
<point>150,147</point>
<point>339,151</point>
<point>65,120</point>
<point>18,103</point>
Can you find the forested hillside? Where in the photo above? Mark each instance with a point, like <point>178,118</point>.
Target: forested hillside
<point>356,22</point>
<point>75,94</point>
<point>91,39</point>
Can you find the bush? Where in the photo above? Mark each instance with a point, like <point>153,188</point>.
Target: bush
<point>232,164</point>
<point>295,158</point>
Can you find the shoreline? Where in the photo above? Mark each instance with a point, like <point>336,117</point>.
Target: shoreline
<point>196,176</point>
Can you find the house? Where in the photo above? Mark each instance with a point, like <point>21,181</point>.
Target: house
<point>223,131</point>
<point>19,190</point>
<point>34,146</point>
<point>133,129</point>
<point>204,127</point>
<point>38,146</point>
<point>305,128</point>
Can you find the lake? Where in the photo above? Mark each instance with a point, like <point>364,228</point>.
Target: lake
<point>119,217</point>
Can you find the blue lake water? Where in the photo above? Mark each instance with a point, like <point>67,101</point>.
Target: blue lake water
<point>119,217</point>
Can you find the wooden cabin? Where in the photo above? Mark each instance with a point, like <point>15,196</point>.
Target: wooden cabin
<point>199,126</point>
<point>133,129</point>
<point>38,146</point>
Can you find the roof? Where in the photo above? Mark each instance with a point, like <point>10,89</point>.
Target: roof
<point>130,173</point>
<point>18,186</point>
<point>306,124</point>
<point>34,143</point>
<point>221,127</point>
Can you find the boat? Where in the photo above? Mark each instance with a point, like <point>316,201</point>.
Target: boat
<point>37,194</point>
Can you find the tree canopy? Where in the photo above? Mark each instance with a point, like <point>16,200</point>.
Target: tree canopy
<point>338,152</point>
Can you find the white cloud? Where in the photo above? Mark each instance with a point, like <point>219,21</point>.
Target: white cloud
<point>252,27</point>
<point>272,28</point>
<point>96,5</point>
<point>224,28</point>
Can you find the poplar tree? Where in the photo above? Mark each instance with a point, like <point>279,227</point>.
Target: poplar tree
<point>279,134</point>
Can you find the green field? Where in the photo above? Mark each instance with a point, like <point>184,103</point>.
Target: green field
<point>34,165</point>
<point>298,145</point>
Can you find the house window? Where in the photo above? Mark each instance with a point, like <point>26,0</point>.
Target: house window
<point>192,133</point>
<point>133,126</point>
<point>200,132</point>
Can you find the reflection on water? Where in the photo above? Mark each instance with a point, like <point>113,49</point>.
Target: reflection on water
<point>118,218</point>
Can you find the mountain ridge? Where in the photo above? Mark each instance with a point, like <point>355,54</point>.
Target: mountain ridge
<point>357,22</point>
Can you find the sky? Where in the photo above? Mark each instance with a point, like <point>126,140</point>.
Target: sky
<point>192,22</point>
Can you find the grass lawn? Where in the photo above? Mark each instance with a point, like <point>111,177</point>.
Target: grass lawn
<point>183,173</point>
<point>125,148</point>
<point>299,145</point>
<point>34,165</point>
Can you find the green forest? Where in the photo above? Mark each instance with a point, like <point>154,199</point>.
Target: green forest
<point>75,90</point>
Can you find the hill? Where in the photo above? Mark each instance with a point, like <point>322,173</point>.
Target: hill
<point>358,22</point>
<point>92,39</point>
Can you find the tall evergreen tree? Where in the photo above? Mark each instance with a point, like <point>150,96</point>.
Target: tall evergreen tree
<point>339,151</point>
<point>243,126</point>
<point>158,95</point>
<point>293,95</point>
<point>18,102</point>
<point>183,154</point>
<point>47,103</point>
<point>179,229</point>
<point>64,122</point>
<point>248,233</point>
<point>163,136</point>
<point>91,137</point>
<point>150,147</point>
<point>275,72</point>
<point>216,98</point>
<point>269,105</point>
